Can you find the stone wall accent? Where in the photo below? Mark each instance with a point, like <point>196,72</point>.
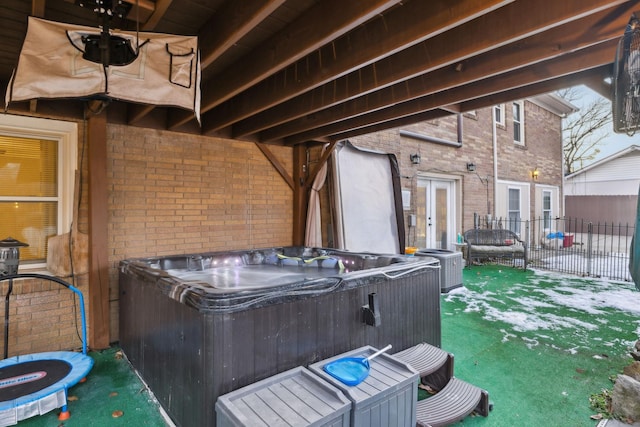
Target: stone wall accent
<point>625,399</point>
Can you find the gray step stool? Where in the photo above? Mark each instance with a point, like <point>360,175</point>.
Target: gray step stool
<point>434,365</point>
<point>455,400</point>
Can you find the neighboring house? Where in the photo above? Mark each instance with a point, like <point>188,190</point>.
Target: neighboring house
<point>605,191</point>
<point>503,163</point>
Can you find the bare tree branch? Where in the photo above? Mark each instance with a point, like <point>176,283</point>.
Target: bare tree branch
<point>584,130</point>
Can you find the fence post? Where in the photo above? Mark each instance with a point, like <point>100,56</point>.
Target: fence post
<point>589,247</point>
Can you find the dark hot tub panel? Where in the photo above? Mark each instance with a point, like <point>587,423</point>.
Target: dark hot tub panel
<point>198,326</point>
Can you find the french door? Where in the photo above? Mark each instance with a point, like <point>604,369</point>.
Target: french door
<point>435,225</point>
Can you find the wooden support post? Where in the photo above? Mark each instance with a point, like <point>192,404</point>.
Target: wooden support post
<point>98,316</point>
<point>300,193</point>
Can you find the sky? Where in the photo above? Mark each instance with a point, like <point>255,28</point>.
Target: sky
<point>614,142</point>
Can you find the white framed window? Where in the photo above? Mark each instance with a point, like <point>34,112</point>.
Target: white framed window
<point>518,122</point>
<point>37,167</point>
<point>513,210</point>
<point>498,114</point>
<point>547,210</point>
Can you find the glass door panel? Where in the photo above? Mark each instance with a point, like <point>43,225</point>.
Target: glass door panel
<point>435,226</point>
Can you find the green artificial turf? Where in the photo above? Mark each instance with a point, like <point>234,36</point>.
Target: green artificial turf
<point>540,344</point>
<point>111,388</point>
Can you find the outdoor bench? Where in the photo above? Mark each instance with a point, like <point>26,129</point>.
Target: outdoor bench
<point>494,243</point>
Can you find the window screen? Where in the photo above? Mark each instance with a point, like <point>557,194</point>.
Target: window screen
<point>514,210</point>
<point>517,123</point>
<point>546,208</point>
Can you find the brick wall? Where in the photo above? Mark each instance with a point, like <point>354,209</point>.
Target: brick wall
<point>542,149</point>
<point>43,316</point>
<point>172,193</point>
<point>544,146</point>
<point>169,193</point>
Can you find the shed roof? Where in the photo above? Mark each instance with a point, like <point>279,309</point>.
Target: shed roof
<point>626,151</point>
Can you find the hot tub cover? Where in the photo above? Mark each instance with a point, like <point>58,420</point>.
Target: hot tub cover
<point>236,280</point>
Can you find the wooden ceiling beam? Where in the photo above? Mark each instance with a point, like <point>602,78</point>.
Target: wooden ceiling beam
<point>592,57</point>
<point>147,12</point>
<point>38,8</point>
<point>452,108</point>
<point>401,27</point>
<point>450,48</point>
<point>228,25</point>
<point>232,22</point>
<point>580,77</point>
<point>506,96</point>
<point>146,9</point>
<point>540,47</point>
<point>318,26</point>
<point>137,112</point>
<point>538,88</point>
<point>423,116</point>
<point>159,10</point>
<point>598,84</point>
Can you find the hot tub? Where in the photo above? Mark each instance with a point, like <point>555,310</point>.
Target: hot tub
<point>201,325</point>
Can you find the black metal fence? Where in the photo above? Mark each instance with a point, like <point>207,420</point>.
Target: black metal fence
<point>571,245</point>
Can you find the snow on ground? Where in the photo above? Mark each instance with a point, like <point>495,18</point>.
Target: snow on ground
<point>612,266</point>
<point>566,312</point>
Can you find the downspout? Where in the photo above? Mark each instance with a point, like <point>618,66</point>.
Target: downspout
<point>494,136</point>
<point>563,172</point>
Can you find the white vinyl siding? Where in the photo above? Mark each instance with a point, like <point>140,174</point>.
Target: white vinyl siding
<point>619,176</point>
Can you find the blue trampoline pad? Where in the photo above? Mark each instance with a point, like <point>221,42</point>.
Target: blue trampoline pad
<point>34,384</point>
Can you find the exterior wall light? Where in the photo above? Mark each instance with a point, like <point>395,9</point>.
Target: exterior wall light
<point>535,173</point>
<point>10,256</point>
<point>471,167</point>
<point>415,158</point>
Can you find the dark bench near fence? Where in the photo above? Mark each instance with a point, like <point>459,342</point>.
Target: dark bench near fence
<point>494,243</point>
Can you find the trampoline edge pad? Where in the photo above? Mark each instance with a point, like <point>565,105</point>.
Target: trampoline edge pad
<point>49,398</point>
